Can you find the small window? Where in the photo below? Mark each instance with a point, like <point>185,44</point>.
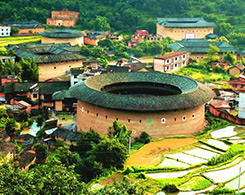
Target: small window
<point>117,119</point>
<point>176,58</point>
<point>163,120</point>
<point>175,119</point>
<point>106,117</point>
<point>129,120</point>
<point>140,121</point>
<point>87,111</point>
<point>97,114</point>
<point>184,118</point>
<point>34,95</point>
<point>54,67</point>
<point>193,116</point>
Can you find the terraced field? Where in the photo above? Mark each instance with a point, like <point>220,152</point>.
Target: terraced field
<point>4,41</point>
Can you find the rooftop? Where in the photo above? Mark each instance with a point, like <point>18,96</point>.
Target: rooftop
<point>6,147</point>
<point>142,91</point>
<point>184,22</point>
<point>62,33</point>
<point>23,25</point>
<point>199,46</point>
<point>171,55</point>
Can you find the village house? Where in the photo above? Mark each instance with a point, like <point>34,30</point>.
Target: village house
<point>6,79</point>
<point>53,60</point>
<point>221,64</point>
<point>114,36</point>
<point>31,95</point>
<point>93,37</point>
<point>238,83</point>
<point>184,28</point>
<point>57,36</point>
<point>26,159</point>
<point>27,28</point>
<point>154,38</point>
<point>236,69</point>
<point>4,59</point>
<point>199,47</point>
<point>171,62</point>
<point>64,18</point>
<point>139,36</point>
<point>5,30</point>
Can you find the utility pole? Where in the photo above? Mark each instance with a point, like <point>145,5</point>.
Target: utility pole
<point>129,144</point>
<point>239,181</point>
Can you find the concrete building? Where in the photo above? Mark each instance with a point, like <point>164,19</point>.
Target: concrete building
<point>171,62</point>
<point>184,28</point>
<point>64,18</point>
<point>5,30</point>
<point>74,37</point>
<point>159,104</point>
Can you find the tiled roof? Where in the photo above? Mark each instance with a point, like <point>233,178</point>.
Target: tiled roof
<point>67,134</point>
<point>46,87</point>
<point>184,22</point>
<point>112,68</point>
<point>171,55</point>
<point>199,46</point>
<point>58,58</point>
<point>62,33</point>
<point>24,25</point>
<point>192,93</point>
<point>61,95</point>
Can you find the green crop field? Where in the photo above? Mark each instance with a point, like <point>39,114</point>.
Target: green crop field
<point>17,40</point>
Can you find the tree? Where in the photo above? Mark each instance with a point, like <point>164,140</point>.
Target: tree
<point>120,132</point>
<point>224,29</point>
<point>41,153</point>
<point>110,153</point>
<point>101,24</point>
<point>10,128</point>
<point>40,120</point>
<point>88,168</point>
<point>229,57</point>
<point>14,30</point>
<point>66,157</point>
<point>212,54</point>
<point>22,116</point>
<point>87,140</point>
<point>3,112</point>
<point>30,69</point>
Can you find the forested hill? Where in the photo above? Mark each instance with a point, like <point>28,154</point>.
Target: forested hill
<point>128,15</point>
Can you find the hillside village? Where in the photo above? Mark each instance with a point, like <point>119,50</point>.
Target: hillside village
<point>157,113</point>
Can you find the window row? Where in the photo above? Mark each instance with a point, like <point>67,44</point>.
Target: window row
<point>163,120</point>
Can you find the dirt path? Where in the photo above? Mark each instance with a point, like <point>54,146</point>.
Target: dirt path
<point>151,154</point>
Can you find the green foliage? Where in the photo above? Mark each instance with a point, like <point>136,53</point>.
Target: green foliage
<point>100,24</point>
<point>229,58</point>
<point>86,141</point>
<point>220,191</point>
<point>66,157</point>
<point>120,132</point>
<point>29,69</point>
<point>144,138</point>
<point>195,183</point>
<point>14,30</point>
<point>11,127</point>
<point>3,112</point>
<point>170,188</point>
<point>122,188</point>
<point>41,153</point>
<point>51,178</point>
<point>22,116</point>
<point>234,150</point>
<point>40,120</point>
<point>110,153</point>
<point>224,28</point>
<point>88,168</point>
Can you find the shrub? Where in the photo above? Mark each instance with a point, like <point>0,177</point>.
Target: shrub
<point>170,188</point>
<point>144,138</point>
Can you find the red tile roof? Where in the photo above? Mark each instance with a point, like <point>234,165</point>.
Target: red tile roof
<point>142,32</point>
<point>170,55</point>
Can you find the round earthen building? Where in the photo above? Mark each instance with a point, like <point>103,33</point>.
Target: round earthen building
<point>74,37</point>
<point>158,103</point>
